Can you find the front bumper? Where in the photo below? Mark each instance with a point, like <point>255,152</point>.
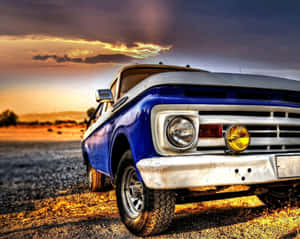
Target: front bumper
<point>218,170</point>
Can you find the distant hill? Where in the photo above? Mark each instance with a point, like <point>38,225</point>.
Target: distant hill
<point>52,117</point>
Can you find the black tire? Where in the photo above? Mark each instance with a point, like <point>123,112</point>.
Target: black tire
<point>95,179</point>
<point>158,205</point>
<point>280,197</point>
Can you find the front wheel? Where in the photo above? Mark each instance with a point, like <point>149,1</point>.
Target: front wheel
<point>143,211</point>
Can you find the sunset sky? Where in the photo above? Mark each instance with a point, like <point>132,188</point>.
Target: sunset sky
<point>54,54</point>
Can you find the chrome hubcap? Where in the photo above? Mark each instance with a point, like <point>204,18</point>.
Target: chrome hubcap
<point>132,193</point>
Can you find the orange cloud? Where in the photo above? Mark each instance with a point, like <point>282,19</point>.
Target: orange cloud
<point>83,48</point>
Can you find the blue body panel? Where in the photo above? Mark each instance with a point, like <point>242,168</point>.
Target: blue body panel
<point>134,119</point>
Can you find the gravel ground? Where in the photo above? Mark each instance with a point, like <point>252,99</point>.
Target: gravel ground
<point>43,194</point>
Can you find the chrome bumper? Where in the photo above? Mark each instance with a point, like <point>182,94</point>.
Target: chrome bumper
<point>218,170</point>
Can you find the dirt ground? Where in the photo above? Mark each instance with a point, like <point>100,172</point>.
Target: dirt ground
<point>43,194</point>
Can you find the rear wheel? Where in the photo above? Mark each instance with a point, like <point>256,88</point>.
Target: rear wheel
<point>280,197</point>
<point>95,179</point>
<point>144,211</point>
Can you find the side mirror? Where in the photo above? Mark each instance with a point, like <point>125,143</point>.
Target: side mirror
<point>104,96</point>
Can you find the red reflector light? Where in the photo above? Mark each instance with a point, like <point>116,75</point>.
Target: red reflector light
<point>210,131</point>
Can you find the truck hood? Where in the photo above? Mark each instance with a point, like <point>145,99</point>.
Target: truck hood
<point>220,79</point>
<point>198,79</point>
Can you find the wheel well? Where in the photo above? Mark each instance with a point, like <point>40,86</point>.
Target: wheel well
<point>85,158</point>
<point>121,144</point>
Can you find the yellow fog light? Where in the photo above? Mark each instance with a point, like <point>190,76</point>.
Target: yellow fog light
<point>237,138</point>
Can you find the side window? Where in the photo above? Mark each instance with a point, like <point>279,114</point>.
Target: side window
<point>114,88</point>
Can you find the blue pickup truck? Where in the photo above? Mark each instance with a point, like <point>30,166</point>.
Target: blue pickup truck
<point>168,134</point>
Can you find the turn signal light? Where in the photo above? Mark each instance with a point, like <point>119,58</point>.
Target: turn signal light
<point>210,131</point>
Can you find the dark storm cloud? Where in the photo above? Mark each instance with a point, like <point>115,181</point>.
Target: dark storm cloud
<point>34,17</point>
<point>260,31</point>
<point>257,30</point>
<point>116,58</point>
<point>109,21</point>
<point>128,21</point>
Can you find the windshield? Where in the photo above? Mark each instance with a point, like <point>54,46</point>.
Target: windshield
<point>132,77</point>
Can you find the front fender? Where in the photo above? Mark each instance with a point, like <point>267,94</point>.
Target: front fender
<point>135,125</point>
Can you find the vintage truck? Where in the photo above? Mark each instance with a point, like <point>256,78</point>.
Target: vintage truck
<point>168,134</point>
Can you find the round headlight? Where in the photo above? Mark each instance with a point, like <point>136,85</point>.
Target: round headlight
<point>181,132</point>
<point>237,138</point>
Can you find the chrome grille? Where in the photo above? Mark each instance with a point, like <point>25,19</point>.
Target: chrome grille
<point>272,129</point>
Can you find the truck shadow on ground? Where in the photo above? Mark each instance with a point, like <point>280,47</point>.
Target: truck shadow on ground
<point>182,223</point>
<point>213,218</point>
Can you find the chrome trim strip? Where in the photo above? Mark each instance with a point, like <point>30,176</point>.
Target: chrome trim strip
<point>119,103</point>
<point>212,170</point>
<point>290,131</point>
<point>263,131</point>
<point>225,107</point>
<point>245,120</point>
<point>252,151</point>
<point>275,141</point>
<point>254,142</point>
